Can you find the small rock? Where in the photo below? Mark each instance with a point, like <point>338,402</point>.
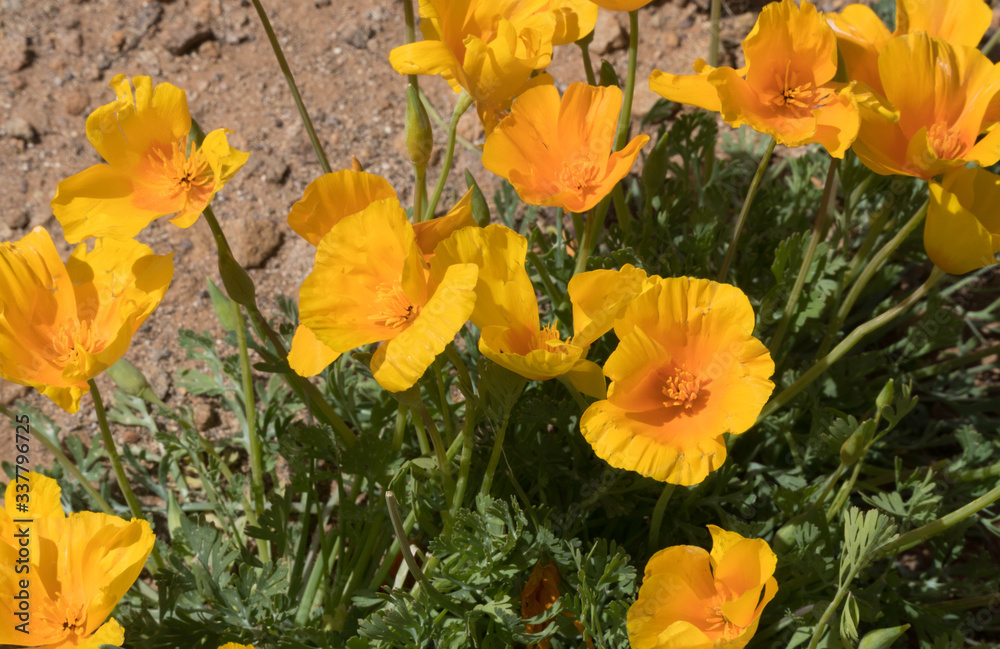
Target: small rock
<point>274,170</point>
<point>20,129</point>
<point>116,40</point>
<point>609,35</point>
<point>17,218</point>
<point>76,102</point>
<point>71,43</point>
<point>182,36</point>
<point>322,4</point>
<point>147,17</point>
<point>256,241</point>
<point>15,54</point>
<point>18,83</point>
<point>6,234</point>
<point>359,37</point>
<point>205,416</point>
<point>671,40</point>
<point>209,49</point>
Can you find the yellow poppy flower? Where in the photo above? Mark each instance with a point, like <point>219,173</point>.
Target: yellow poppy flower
<point>371,283</point>
<point>861,34</point>
<point>574,19</point>
<point>61,325</point>
<point>233,645</point>
<point>78,567</point>
<point>693,599</point>
<point>786,89</point>
<point>489,48</point>
<point>507,308</point>
<point>686,370</point>
<point>326,201</point>
<point>941,101</point>
<point>962,232</point>
<point>149,172</point>
<point>538,595</point>
<point>559,152</point>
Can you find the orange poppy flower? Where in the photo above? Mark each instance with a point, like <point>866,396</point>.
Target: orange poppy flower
<point>507,309</point>
<point>574,19</point>
<point>861,34</point>
<point>941,94</point>
<point>962,232</point>
<point>149,172</point>
<point>63,324</point>
<point>370,283</point>
<point>326,201</point>
<point>693,599</point>
<point>538,595</point>
<point>559,152</point>
<point>78,567</point>
<point>687,369</point>
<point>488,48</point>
<point>786,89</point>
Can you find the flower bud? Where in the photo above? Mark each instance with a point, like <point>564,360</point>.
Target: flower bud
<point>419,136</point>
<point>608,76</point>
<point>238,284</point>
<point>480,208</point>
<point>131,381</point>
<point>882,638</point>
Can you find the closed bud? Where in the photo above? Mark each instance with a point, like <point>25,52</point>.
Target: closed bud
<point>480,208</point>
<point>130,380</point>
<point>608,76</point>
<point>883,638</point>
<point>238,284</point>
<point>419,136</point>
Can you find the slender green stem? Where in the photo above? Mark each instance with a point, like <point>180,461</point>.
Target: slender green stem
<point>411,562</point>
<point>419,191</point>
<point>449,425</point>
<point>543,275</point>
<point>875,227</point>
<point>869,271</point>
<point>844,493</point>
<point>299,384</point>
<point>298,563</point>
<point>440,452</point>
<point>727,262</point>
<point>990,44</point>
<point>713,43</point>
<point>657,520</point>
<point>390,555</point>
<point>818,233</point>
<point>468,441</point>
<point>966,603</point>
<point>491,467</point>
<point>921,534</point>
<point>440,123</point>
<point>588,66</point>
<point>573,392</point>
<point>625,118</point>
<point>400,429</point>
<point>306,121</point>
<point>981,473</point>
<point>952,364</point>
<point>418,423</point>
<point>116,463</point>
<point>462,105</point>
<point>464,379</point>
<point>594,225</point>
<point>253,440</point>
<point>848,343</point>
<point>411,36</point>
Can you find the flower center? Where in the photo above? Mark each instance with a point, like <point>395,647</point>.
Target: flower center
<point>74,338</point>
<point>392,307</point>
<point>181,172</point>
<point>548,338</point>
<point>796,95</point>
<point>579,176</point>
<point>681,389</point>
<point>945,141</point>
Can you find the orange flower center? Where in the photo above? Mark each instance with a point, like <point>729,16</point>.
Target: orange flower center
<point>182,173</point>
<point>74,338</point>
<point>392,307</point>
<point>717,625</point>
<point>794,95</point>
<point>581,176</point>
<point>681,389</point>
<point>945,141</point>
<point>548,338</point>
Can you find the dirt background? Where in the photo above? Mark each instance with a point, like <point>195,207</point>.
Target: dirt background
<point>57,57</point>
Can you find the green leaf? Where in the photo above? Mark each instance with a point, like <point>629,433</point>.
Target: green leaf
<point>882,638</point>
<point>223,306</point>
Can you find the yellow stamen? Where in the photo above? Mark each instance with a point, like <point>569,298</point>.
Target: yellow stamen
<point>393,308</point>
<point>681,389</point>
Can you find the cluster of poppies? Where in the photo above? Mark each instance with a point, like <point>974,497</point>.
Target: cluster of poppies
<point>687,368</point>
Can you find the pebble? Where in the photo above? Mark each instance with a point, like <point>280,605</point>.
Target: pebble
<point>76,101</point>
<point>15,54</point>
<point>21,129</point>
